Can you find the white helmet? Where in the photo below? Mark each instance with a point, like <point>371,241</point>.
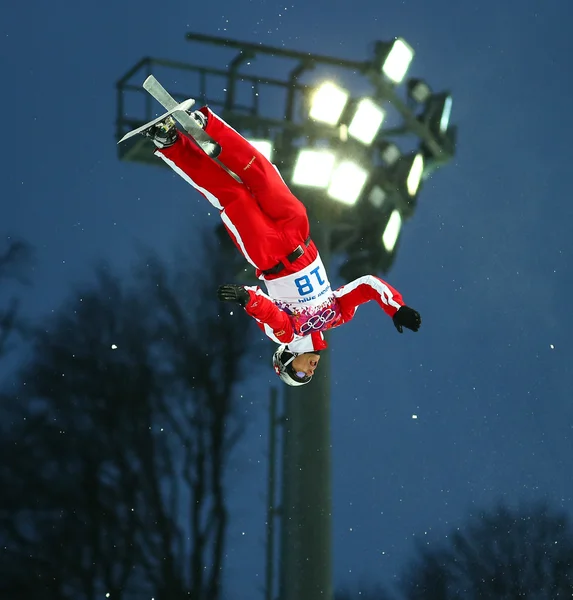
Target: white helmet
<point>282,360</point>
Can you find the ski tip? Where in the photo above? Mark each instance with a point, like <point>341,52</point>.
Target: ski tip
<point>148,80</point>
<point>185,105</point>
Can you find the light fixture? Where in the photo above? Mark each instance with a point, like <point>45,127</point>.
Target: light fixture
<point>448,143</point>
<point>377,196</point>
<point>406,174</point>
<point>347,182</point>
<point>400,183</point>
<point>389,152</point>
<point>313,168</point>
<point>415,174</point>
<point>437,113</point>
<point>327,103</point>
<point>418,90</point>
<point>366,121</point>
<point>392,231</point>
<point>394,59</point>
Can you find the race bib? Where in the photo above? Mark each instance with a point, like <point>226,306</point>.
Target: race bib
<point>307,298</point>
<point>309,287</point>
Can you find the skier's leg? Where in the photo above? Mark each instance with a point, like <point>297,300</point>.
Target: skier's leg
<point>260,176</point>
<point>257,237</point>
<point>200,171</point>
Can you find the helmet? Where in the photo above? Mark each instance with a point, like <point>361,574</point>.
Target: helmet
<point>282,360</point>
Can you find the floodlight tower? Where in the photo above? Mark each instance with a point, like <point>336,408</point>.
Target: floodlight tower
<point>359,187</point>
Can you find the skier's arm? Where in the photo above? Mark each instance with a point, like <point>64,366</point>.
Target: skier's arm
<point>364,289</point>
<point>271,318</point>
<point>276,324</point>
<point>369,287</point>
<point>273,321</point>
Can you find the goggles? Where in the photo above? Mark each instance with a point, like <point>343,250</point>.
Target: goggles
<point>300,376</point>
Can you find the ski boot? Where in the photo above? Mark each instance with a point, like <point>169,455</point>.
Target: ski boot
<point>200,118</point>
<point>163,134</point>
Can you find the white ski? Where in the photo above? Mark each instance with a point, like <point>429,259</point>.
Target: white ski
<point>204,141</point>
<point>176,107</point>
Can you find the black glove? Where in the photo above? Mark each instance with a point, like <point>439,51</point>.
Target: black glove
<point>407,317</point>
<point>231,292</point>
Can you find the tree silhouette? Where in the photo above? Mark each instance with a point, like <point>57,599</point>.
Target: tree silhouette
<point>14,258</point>
<point>114,448</point>
<point>501,554</point>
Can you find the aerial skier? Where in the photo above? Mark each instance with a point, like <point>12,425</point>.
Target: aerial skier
<point>270,227</point>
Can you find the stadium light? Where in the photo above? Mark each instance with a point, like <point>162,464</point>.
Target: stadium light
<point>448,142</point>
<point>327,103</point>
<point>373,250</point>
<point>415,174</point>
<point>389,152</point>
<point>437,112</point>
<point>265,147</point>
<point>377,196</point>
<point>392,231</point>
<point>313,168</point>
<point>400,181</point>
<point>366,121</point>
<point>405,175</point>
<point>347,182</point>
<point>418,90</point>
<point>394,59</point>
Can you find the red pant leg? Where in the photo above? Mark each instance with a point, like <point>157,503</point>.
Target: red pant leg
<point>261,240</point>
<point>203,173</point>
<point>261,177</point>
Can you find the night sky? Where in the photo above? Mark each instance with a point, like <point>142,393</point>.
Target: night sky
<point>485,259</point>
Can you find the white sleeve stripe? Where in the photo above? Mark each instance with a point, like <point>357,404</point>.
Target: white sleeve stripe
<point>260,292</point>
<point>384,291</point>
<point>269,332</point>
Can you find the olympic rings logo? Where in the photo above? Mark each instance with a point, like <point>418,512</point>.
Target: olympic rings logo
<point>319,321</point>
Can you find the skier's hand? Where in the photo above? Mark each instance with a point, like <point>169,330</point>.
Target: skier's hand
<point>231,292</point>
<point>407,317</point>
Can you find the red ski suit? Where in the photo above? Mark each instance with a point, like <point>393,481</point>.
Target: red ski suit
<point>267,222</point>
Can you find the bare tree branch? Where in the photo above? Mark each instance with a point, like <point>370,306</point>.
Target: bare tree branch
<point>14,261</point>
<point>125,412</point>
<point>499,554</point>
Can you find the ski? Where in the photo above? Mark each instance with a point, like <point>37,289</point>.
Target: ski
<point>175,108</point>
<point>204,141</point>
